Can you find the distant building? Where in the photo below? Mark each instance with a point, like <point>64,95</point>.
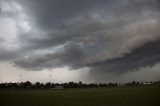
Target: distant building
<point>146,83</point>
<point>59,87</point>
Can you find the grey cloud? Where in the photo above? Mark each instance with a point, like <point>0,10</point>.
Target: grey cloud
<point>101,41</point>
<point>147,55</point>
<point>52,13</point>
<point>106,36</point>
<point>7,55</point>
<point>71,56</point>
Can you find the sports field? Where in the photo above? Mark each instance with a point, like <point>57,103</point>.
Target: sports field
<point>132,96</point>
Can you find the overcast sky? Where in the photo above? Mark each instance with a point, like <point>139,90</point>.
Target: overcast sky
<point>87,40</point>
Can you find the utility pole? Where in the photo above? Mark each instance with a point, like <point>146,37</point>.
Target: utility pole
<point>20,78</point>
<point>50,78</point>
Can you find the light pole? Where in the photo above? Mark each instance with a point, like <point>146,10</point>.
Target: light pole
<point>50,78</point>
<point>20,78</point>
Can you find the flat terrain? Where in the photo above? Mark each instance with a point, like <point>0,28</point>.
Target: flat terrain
<point>131,96</point>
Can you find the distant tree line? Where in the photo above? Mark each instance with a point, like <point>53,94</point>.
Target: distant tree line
<point>49,85</point>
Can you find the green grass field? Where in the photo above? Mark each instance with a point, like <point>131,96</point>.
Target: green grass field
<point>133,96</point>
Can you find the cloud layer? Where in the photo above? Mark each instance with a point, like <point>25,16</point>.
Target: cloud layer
<point>106,36</point>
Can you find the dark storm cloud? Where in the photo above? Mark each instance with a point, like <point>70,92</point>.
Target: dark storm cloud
<point>50,13</point>
<point>71,56</point>
<point>53,13</point>
<point>147,55</point>
<point>104,35</point>
<point>6,55</point>
<point>97,15</point>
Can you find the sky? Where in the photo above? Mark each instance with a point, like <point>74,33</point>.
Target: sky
<point>79,40</point>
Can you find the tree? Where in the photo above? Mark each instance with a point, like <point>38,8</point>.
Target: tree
<point>27,84</point>
<point>80,84</point>
<point>48,85</point>
<point>38,85</point>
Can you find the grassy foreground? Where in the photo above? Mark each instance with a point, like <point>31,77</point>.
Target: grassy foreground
<point>133,96</point>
